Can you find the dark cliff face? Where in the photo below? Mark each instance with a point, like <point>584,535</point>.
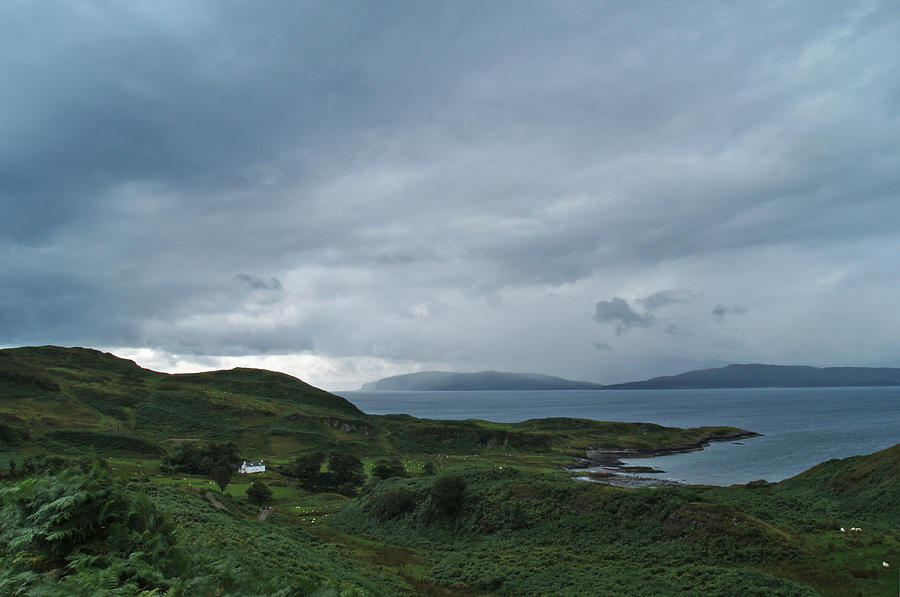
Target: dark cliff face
<point>763,376</point>
<point>484,380</point>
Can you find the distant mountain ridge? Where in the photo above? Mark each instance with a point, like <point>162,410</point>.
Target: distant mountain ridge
<point>769,376</point>
<point>483,380</point>
<point>730,376</point>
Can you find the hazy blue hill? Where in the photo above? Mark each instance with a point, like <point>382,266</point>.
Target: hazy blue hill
<point>484,380</point>
<point>769,376</point>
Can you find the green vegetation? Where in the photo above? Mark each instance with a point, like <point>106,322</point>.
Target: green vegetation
<point>344,474</point>
<point>385,469</point>
<point>199,459</point>
<point>112,470</point>
<point>69,400</point>
<point>259,493</point>
<point>79,532</point>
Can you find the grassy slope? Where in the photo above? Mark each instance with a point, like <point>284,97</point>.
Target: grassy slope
<point>522,529</point>
<point>69,399</point>
<point>524,533</point>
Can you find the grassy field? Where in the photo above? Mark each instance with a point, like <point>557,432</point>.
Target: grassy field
<point>498,516</point>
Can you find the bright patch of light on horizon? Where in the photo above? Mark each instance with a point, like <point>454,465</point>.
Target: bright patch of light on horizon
<point>333,374</point>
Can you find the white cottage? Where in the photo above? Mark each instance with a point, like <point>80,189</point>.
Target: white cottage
<point>252,467</point>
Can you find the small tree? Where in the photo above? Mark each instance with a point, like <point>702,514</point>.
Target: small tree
<point>346,468</point>
<point>447,494</point>
<point>221,474</point>
<point>307,469</point>
<point>224,453</point>
<point>385,469</point>
<point>428,469</point>
<point>197,459</point>
<point>393,504</point>
<point>259,493</point>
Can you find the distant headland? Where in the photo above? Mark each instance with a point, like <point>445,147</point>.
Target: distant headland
<point>483,380</point>
<point>730,376</point>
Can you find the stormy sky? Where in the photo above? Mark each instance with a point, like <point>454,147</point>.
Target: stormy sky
<point>347,190</point>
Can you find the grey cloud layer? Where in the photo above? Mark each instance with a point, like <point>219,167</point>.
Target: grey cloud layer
<point>665,297</point>
<point>720,311</point>
<point>618,312</point>
<point>225,178</point>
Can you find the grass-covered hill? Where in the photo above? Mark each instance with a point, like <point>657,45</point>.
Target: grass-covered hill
<point>79,398</point>
<point>68,400</point>
<point>470,530</point>
<point>516,532</point>
<point>441,508</point>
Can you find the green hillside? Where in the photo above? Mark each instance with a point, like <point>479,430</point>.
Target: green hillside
<point>67,400</point>
<point>366,505</point>
<point>517,532</point>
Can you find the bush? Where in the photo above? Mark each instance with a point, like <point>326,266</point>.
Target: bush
<point>201,459</point>
<point>83,528</point>
<point>347,489</point>
<point>307,469</point>
<point>221,474</point>
<point>393,504</point>
<point>447,494</point>
<point>12,435</point>
<point>259,493</point>
<point>385,469</point>
<point>346,468</point>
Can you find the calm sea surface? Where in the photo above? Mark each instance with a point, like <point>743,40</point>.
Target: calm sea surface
<point>802,426</point>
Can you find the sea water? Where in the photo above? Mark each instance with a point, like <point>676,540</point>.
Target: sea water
<point>801,427</point>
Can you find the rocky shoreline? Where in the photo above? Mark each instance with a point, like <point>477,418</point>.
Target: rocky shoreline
<point>627,481</point>
<point>594,456</point>
<point>616,472</point>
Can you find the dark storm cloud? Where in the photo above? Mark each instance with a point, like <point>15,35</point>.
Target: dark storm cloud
<point>618,312</point>
<point>259,283</point>
<point>665,297</point>
<point>720,311</point>
<point>387,168</point>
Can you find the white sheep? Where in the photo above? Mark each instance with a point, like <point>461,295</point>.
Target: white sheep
<point>885,564</point>
<point>842,530</point>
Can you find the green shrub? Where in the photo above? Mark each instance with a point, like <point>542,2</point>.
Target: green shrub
<point>393,504</point>
<point>259,493</point>
<point>447,494</point>
<point>201,459</point>
<point>221,474</point>
<point>13,435</point>
<point>345,467</point>
<point>385,469</point>
<point>307,469</point>
<point>82,528</point>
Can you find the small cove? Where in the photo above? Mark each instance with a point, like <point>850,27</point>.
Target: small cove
<point>801,427</point>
